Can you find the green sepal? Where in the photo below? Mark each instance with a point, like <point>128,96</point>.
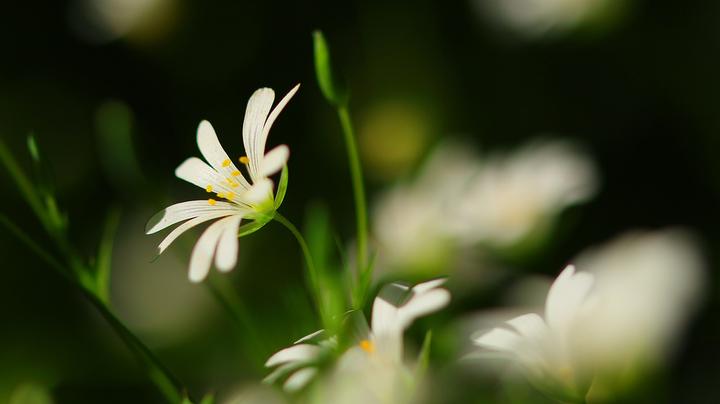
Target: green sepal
<point>282,187</point>
<point>104,257</point>
<point>423,357</point>
<point>257,223</point>
<point>334,92</point>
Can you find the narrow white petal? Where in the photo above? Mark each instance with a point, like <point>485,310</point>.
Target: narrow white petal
<point>182,211</point>
<point>165,243</point>
<point>422,305</point>
<point>530,326</point>
<point>214,153</point>
<point>309,336</point>
<point>384,317</point>
<point>256,113</point>
<point>273,115</point>
<point>227,249</point>
<point>274,161</point>
<point>299,379</point>
<point>566,296</point>
<point>498,339</point>
<point>301,352</point>
<point>204,250</point>
<point>429,285</point>
<point>258,192</point>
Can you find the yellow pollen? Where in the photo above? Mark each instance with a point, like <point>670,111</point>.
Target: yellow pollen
<point>226,163</point>
<point>230,196</point>
<point>220,195</point>
<point>235,173</point>
<point>367,346</point>
<point>211,202</point>
<point>244,160</point>
<point>208,188</point>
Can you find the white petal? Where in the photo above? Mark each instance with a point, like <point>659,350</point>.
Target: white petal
<point>227,249</point>
<point>256,113</point>
<point>165,243</point>
<point>258,192</point>
<point>530,326</point>
<point>423,304</point>
<point>498,339</point>
<point>566,296</point>
<point>214,153</point>
<point>309,336</point>
<point>301,352</point>
<point>384,313</point>
<point>182,211</point>
<point>299,379</point>
<point>204,250</point>
<point>426,286</point>
<point>274,161</point>
<point>274,114</point>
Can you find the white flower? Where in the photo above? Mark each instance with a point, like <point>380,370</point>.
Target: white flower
<point>536,18</point>
<point>542,346</point>
<point>379,347</point>
<point>243,199</point>
<point>609,323</point>
<point>514,195</point>
<point>410,220</point>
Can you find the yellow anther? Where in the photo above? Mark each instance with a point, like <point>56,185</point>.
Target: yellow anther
<point>208,188</point>
<point>220,195</point>
<point>367,346</point>
<point>226,163</point>
<point>211,202</point>
<point>244,160</point>
<point>230,196</point>
<point>231,182</point>
<point>235,173</point>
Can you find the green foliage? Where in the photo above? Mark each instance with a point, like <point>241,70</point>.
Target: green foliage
<point>334,92</point>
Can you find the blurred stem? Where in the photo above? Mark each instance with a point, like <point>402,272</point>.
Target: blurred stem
<point>239,313</point>
<point>166,382</point>
<point>313,278</point>
<point>363,270</point>
<point>25,186</point>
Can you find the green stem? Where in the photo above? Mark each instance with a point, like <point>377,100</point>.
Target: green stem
<point>312,271</point>
<point>360,203</point>
<point>234,306</point>
<point>166,382</point>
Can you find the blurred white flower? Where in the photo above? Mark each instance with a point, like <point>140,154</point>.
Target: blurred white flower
<point>647,286</point>
<point>515,194</point>
<point>373,371</point>
<point>243,199</point>
<point>611,322</point>
<point>536,18</point>
<point>542,346</point>
<point>410,221</point>
<point>375,352</point>
<point>457,201</point>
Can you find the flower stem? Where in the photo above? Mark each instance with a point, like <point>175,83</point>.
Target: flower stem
<point>313,277</point>
<point>363,269</point>
<point>166,382</point>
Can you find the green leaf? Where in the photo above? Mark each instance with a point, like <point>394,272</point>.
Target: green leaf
<point>330,88</point>
<point>424,356</point>
<point>104,257</point>
<point>33,148</point>
<point>26,187</point>
<point>282,187</point>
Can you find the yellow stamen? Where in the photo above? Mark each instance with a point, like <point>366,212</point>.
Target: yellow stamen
<point>211,202</point>
<point>208,188</point>
<point>235,173</point>
<point>230,196</point>
<point>220,195</point>
<point>226,163</point>
<point>367,346</point>
<point>244,160</point>
<point>231,182</point>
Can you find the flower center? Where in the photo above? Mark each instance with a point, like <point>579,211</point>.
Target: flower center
<point>367,346</point>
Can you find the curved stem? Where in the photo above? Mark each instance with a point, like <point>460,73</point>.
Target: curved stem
<point>312,271</point>
<point>166,382</point>
<point>362,271</point>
